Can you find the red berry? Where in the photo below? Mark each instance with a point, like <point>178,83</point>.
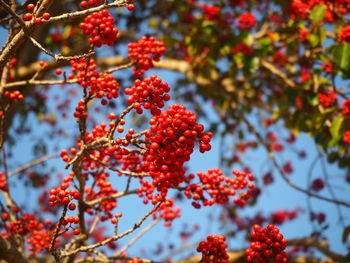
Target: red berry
<point>30,7</point>
<point>72,206</point>
<point>131,7</point>
<point>27,17</point>
<point>46,16</point>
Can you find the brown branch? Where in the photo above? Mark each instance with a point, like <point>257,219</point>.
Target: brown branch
<point>56,253</point>
<point>79,14</point>
<point>138,236</point>
<point>278,73</point>
<point>114,196</point>
<point>9,252</point>
<point>321,246</point>
<point>32,163</point>
<point>113,238</point>
<point>131,174</point>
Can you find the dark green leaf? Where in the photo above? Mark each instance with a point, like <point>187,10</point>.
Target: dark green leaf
<point>342,57</point>
<point>318,13</point>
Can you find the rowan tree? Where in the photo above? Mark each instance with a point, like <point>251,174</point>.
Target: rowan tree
<point>80,84</point>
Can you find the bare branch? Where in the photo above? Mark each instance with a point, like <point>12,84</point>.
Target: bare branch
<point>32,163</point>
<point>113,238</point>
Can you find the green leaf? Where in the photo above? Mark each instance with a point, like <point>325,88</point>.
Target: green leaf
<point>342,57</point>
<point>335,127</point>
<point>346,233</point>
<point>318,13</point>
<point>314,40</point>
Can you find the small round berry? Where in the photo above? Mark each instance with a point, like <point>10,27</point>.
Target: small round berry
<point>46,16</point>
<point>131,7</point>
<point>72,206</point>
<point>27,17</point>
<point>30,7</point>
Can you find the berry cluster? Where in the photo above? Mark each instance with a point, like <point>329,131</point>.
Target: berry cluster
<point>213,249</point>
<point>302,8</point>
<point>149,94</point>
<point>63,196</point>
<point>240,182</point>
<point>38,237</point>
<point>68,222</point>
<point>344,35</point>
<point>267,244</point>
<point>167,211</point>
<point>327,98</point>
<point>246,21</point>
<point>146,50</point>
<point>346,107</point>
<point>3,183</point>
<point>172,136</point>
<point>37,20</point>
<point>243,48</point>
<point>346,139</point>
<point>85,4</point>
<point>219,188</point>
<point>317,184</point>
<point>105,189</point>
<point>15,95</point>
<point>100,27</point>
<point>100,84</point>
<point>211,12</point>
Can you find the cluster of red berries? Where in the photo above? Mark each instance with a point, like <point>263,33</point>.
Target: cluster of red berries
<point>303,34</point>
<point>302,8</point>
<point>37,20</point>
<point>213,249</point>
<point>167,211</point>
<point>346,107</point>
<point>344,35</point>
<point>327,98</point>
<point>3,182</point>
<point>243,48</point>
<point>15,95</point>
<point>219,187</point>
<point>80,111</point>
<point>268,243</point>
<point>146,50</point>
<point>246,21</point>
<point>281,216</point>
<point>63,196</point>
<point>146,190</point>
<point>85,4</point>
<point>68,221</point>
<point>105,189</point>
<point>346,137</point>
<point>100,27</point>
<point>149,94</point>
<point>172,136</point>
<point>241,182</point>
<point>211,12</point>
<point>317,184</point>
<point>38,237</point>
<point>100,84</point>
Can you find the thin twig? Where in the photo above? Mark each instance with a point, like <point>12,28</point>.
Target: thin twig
<point>113,238</point>
<point>32,163</point>
<point>138,236</point>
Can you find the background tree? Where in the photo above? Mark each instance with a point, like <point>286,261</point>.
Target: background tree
<point>271,70</point>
